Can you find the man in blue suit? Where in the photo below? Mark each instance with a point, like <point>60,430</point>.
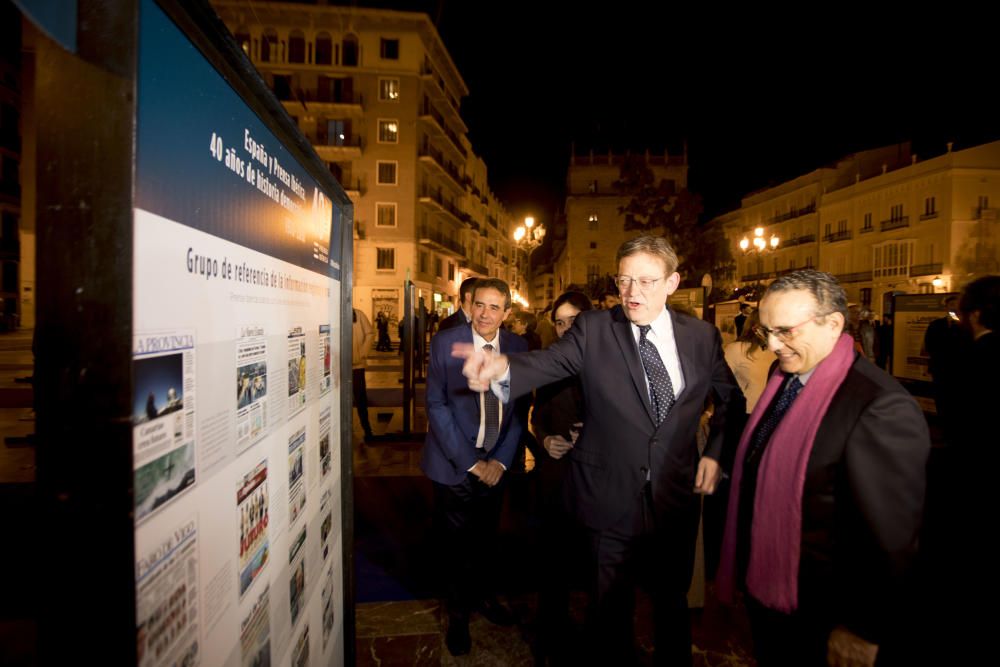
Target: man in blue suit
<point>471,441</point>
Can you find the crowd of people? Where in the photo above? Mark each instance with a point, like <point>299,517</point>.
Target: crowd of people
<point>633,411</point>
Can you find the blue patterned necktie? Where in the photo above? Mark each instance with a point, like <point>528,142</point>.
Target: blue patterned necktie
<point>766,428</point>
<point>661,389</point>
<point>492,406</point>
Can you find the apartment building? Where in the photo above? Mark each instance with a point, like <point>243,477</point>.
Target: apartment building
<point>378,96</point>
<point>883,221</point>
<point>594,227</point>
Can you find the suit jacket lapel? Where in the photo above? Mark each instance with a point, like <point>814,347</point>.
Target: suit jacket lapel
<point>622,329</point>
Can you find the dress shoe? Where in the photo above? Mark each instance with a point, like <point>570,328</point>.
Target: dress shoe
<point>458,640</point>
<point>496,612</point>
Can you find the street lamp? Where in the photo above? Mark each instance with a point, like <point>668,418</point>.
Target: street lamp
<point>758,244</point>
<point>528,237</point>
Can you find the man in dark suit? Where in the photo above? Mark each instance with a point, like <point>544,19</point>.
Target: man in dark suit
<point>828,489</point>
<point>740,320</point>
<point>635,471</point>
<point>462,316</point>
<point>471,442</point>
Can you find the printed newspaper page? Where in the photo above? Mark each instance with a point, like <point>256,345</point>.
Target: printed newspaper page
<point>162,418</point>
<point>325,358</point>
<point>252,508</point>
<point>324,441</point>
<point>296,477</point>
<point>251,386</point>
<point>166,584</point>
<point>255,632</point>
<point>296,369</point>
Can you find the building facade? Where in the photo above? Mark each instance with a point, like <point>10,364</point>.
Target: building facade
<point>594,227</point>
<point>882,221</point>
<point>378,96</point>
<point>16,232</point>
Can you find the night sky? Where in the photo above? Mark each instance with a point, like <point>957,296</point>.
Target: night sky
<point>758,99</point>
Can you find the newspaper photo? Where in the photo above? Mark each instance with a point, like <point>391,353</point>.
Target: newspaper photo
<point>252,511</point>
<point>296,370</point>
<point>297,582</point>
<point>300,654</point>
<point>251,386</point>
<point>327,526</point>
<point>166,585</point>
<point>327,606</point>
<point>324,441</point>
<point>255,632</point>
<point>162,418</point>
<point>296,476</point>
<point>325,358</point>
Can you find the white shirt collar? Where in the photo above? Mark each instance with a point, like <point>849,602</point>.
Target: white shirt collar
<point>479,341</point>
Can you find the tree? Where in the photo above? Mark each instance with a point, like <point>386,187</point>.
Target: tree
<point>661,209</point>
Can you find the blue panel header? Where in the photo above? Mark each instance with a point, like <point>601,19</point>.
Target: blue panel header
<point>206,160</point>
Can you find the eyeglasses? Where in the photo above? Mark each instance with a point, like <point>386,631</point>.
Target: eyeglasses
<point>784,334</point>
<point>624,282</point>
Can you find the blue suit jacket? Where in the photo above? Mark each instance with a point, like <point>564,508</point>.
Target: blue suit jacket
<point>453,412</point>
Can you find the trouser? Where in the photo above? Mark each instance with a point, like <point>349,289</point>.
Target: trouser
<point>639,548</point>
<point>466,517</point>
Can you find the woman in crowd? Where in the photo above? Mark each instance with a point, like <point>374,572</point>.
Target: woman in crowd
<point>556,420</point>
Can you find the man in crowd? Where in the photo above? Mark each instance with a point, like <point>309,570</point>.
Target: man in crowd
<point>828,488</point>
<point>462,316</point>
<point>361,345</point>
<point>471,442</point>
<point>635,471</point>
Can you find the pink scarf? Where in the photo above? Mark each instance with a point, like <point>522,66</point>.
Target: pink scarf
<point>773,570</point>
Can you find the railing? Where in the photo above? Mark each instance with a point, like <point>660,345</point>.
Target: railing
<point>475,266</point>
<point>896,223</point>
<point>337,142</point>
<point>798,240</point>
<point>491,251</point>
<point>440,239</point>
<point>866,230</point>
<point>442,202</point>
<point>327,96</point>
<point>857,277</point>
<point>446,165</point>
<point>926,269</point>
<point>841,235</point>
<point>929,215</point>
<point>794,213</point>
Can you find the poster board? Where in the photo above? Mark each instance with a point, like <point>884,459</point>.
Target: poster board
<point>912,314</point>
<point>237,334</point>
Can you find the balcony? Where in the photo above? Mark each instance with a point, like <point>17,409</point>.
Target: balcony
<point>798,240</point>
<point>858,277</point>
<point>348,148</point>
<point>866,230</point>
<point>10,188</point>
<point>435,121</point>
<point>491,251</point>
<point>433,200</point>
<point>435,87</point>
<point>897,223</point>
<point>474,266</point>
<point>931,269</point>
<point>10,140</point>
<point>323,101</point>
<point>842,235</point>
<point>431,156</point>
<point>435,239</point>
<point>794,213</point>
<point>928,216</point>
<point>757,277</point>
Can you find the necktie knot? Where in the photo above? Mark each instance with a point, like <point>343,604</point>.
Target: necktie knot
<point>488,347</point>
<point>643,330</point>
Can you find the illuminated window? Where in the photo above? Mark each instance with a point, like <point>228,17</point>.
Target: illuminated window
<point>892,259</point>
<point>388,131</point>
<point>388,90</point>
<point>592,222</point>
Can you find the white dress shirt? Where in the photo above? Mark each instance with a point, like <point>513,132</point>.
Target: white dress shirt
<point>661,335</point>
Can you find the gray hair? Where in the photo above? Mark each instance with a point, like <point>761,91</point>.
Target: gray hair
<point>652,245</point>
<point>829,294</point>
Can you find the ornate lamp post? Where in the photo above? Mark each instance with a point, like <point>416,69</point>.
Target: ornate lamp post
<point>528,237</point>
